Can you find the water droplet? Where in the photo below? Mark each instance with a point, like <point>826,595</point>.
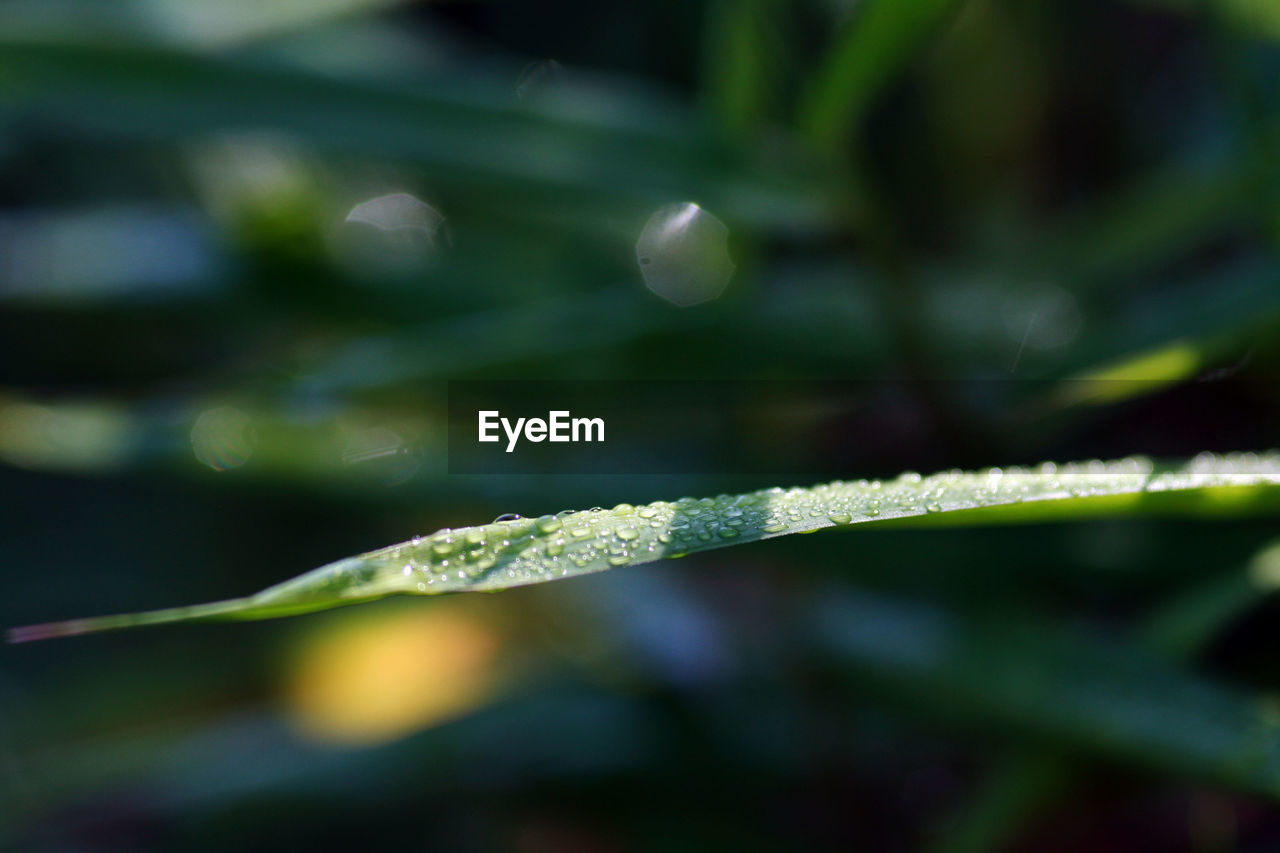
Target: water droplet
<point>507,516</point>
<point>221,438</point>
<point>539,78</point>
<point>1041,317</point>
<point>393,235</point>
<point>398,212</point>
<point>683,253</point>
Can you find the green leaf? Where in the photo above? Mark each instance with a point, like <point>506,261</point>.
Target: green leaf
<point>523,551</point>
<point>1054,685</point>
<point>742,57</point>
<point>1179,630</point>
<point>1016,788</point>
<point>468,132</point>
<point>191,22</point>
<point>1183,627</point>
<point>1252,18</point>
<point>873,47</point>
<point>1165,213</point>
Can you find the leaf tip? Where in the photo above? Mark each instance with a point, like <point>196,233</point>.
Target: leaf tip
<point>45,631</point>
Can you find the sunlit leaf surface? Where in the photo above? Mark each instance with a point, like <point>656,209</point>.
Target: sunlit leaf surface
<point>520,551</point>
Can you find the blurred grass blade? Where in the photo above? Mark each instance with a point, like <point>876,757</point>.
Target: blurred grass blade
<point>1179,630</point>
<point>1208,323</point>
<point>499,337</point>
<point>743,58</point>
<point>1256,19</point>
<point>468,132</point>
<point>522,551</point>
<point>1165,214</point>
<point>1128,378</point>
<point>191,22</point>
<point>1110,699</point>
<point>1184,627</point>
<point>1012,793</point>
<point>873,47</point>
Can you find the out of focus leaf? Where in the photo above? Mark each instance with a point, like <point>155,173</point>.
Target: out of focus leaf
<point>192,22</point>
<point>1016,788</point>
<point>1184,626</point>
<point>1257,18</point>
<point>1025,783</point>
<point>469,133</point>
<point>741,60</point>
<point>1106,698</point>
<point>872,48</point>
<point>1159,216</point>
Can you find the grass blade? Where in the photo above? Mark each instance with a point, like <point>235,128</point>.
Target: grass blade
<point>743,57</point>
<point>872,49</point>
<point>1178,631</point>
<point>1056,685</point>
<point>523,551</point>
<point>468,133</point>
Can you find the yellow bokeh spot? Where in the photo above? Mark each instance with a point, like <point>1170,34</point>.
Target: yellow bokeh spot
<point>374,679</point>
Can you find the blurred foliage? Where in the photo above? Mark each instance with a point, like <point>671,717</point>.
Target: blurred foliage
<point>212,380</point>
